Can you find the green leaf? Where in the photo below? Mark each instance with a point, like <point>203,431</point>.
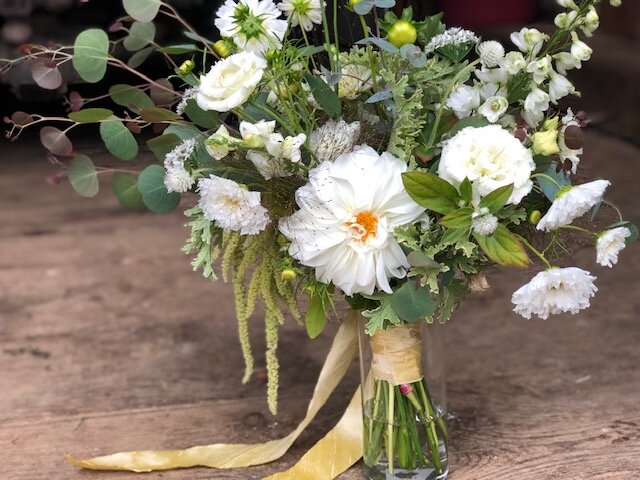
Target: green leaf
<point>458,219</point>
<point>316,316</point>
<point>381,316</point>
<point>56,141</point>
<point>139,57</point>
<point>466,190</point>
<point>90,115</point>
<point>142,10</point>
<point>412,303</point>
<point>125,188</point>
<point>83,176</point>
<point>497,199</point>
<point>503,247</point>
<point>455,235</point>
<point>154,193</point>
<point>430,191</point>
<point>129,96</point>
<point>140,35</point>
<point>182,130</point>
<point>551,187</point>
<point>118,139</point>
<point>163,144</point>
<point>90,54</point>
<point>200,117</point>
<point>632,228</point>
<point>179,49</point>
<point>476,122</point>
<point>324,95</point>
<point>158,115</point>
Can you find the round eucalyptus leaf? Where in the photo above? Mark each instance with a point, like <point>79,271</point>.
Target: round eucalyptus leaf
<point>45,75</point>
<point>129,96</point>
<point>83,176</point>
<point>90,54</point>
<point>142,10</point>
<point>140,35</point>
<point>125,188</point>
<point>154,194</point>
<point>90,115</point>
<point>118,139</point>
<point>56,141</point>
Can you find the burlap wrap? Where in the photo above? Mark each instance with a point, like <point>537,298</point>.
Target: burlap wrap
<point>397,353</point>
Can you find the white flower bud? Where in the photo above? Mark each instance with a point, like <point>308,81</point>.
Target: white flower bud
<point>591,22</point>
<point>579,49</point>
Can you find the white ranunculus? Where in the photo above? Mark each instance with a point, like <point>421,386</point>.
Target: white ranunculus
<point>230,82</point>
<point>559,87</point>
<point>232,207</point>
<point>609,244</point>
<point>557,290</point>
<point>493,108</point>
<point>571,203</point>
<point>536,103</point>
<point>464,100</point>
<point>490,157</point>
<point>348,213</point>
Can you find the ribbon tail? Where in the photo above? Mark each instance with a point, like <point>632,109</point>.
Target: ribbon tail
<point>343,350</point>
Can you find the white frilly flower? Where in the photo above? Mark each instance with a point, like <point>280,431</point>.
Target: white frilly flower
<point>464,100</point>
<point>557,290</point>
<point>232,207</point>
<point>493,108</point>
<point>348,213</point>
<point>177,178</point>
<point>490,157</point>
<point>609,244</point>
<point>491,53</point>
<point>333,139</point>
<point>303,12</point>
<point>254,25</point>
<point>571,203</point>
<point>230,82</point>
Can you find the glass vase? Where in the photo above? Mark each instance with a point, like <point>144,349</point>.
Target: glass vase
<point>403,399</point>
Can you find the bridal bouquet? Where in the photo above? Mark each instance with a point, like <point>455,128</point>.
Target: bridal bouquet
<point>392,172</point>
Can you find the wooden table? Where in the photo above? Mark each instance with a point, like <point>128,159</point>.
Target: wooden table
<point>109,342</point>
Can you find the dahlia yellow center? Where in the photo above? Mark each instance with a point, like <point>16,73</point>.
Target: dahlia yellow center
<point>363,226</point>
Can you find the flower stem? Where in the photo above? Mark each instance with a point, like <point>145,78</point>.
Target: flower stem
<point>390,415</point>
<point>534,250</point>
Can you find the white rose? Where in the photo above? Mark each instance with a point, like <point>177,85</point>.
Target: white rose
<point>230,82</point>
<point>490,157</point>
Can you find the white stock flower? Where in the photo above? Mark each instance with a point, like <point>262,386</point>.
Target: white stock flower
<point>493,108</point>
<point>354,80</point>
<point>565,19</point>
<point>571,203</point>
<point>591,22</point>
<point>559,87</point>
<point>232,207</point>
<point>491,53</point>
<point>609,244</point>
<point>579,49</point>
<point>255,134</point>
<point>177,178</point>
<point>253,25</point>
<point>529,40</point>
<point>483,223</point>
<point>348,213</point>
<point>490,157</point>
<point>333,139</point>
<point>540,69</point>
<point>230,82</point>
<point>514,62</point>
<point>464,100</point>
<point>302,12</point>
<point>220,143</point>
<point>565,62</point>
<point>536,103</point>
<point>557,290</point>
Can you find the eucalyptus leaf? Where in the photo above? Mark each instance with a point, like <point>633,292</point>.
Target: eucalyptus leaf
<point>142,10</point>
<point>363,7</point>
<point>125,188</point>
<point>476,122</point>
<point>154,193</point>
<point>83,176</point>
<point>179,49</point>
<point>163,144</point>
<point>90,54</point>
<point>551,186</point>
<point>129,96</point>
<point>140,57</point>
<point>380,96</point>
<point>412,303</point>
<point>381,43</point>
<point>90,115</point>
<point>158,115</point>
<point>118,139</point>
<point>204,119</point>
<point>140,35</point>
<point>56,141</point>
<point>45,75</point>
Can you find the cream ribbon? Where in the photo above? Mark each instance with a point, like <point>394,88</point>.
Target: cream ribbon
<point>397,353</point>
<point>332,455</point>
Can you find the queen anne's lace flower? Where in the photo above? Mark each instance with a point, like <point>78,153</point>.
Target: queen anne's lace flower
<point>557,290</point>
<point>490,157</point>
<point>348,212</point>
<point>333,139</point>
<point>571,203</point>
<point>302,12</point>
<point>452,36</point>
<point>609,244</point>
<point>177,178</point>
<point>254,25</point>
<point>231,206</point>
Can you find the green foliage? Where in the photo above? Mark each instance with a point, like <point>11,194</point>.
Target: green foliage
<point>320,301</point>
<point>503,247</point>
<point>412,302</point>
<point>203,242</point>
<point>130,97</point>
<point>142,10</point>
<point>324,95</point>
<point>458,219</point>
<point>154,193</point>
<point>180,49</point>
<point>83,176</point>
<point>90,115</point>
<point>125,188</point>
<point>381,316</point>
<point>140,35</point>
<point>90,54</point>
<point>163,144</point>
<point>497,199</point>
<point>118,139</point>
<point>159,115</point>
<point>476,122</point>
<point>200,117</point>
<point>431,192</point>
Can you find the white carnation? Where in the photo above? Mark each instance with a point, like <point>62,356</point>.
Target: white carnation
<point>231,206</point>
<point>557,290</point>
<point>490,157</point>
<point>230,82</point>
<point>609,244</point>
<point>333,139</point>
<point>348,213</point>
<point>464,100</point>
<point>571,203</point>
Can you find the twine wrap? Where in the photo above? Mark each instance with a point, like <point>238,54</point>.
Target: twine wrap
<point>397,354</point>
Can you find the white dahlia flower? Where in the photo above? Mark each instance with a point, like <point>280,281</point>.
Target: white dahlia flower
<point>230,82</point>
<point>490,157</point>
<point>333,139</point>
<point>231,206</point>
<point>254,25</point>
<point>609,244</point>
<point>303,12</point>
<point>177,178</point>
<point>348,212</point>
<point>571,203</point>
<point>557,290</point>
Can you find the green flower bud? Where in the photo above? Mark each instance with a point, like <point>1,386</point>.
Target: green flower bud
<point>288,275</point>
<point>222,48</point>
<point>351,3</point>
<point>186,67</point>
<point>402,32</point>
<point>534,217</point>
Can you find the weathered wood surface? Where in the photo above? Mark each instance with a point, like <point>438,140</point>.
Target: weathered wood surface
<point>109,342</point>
